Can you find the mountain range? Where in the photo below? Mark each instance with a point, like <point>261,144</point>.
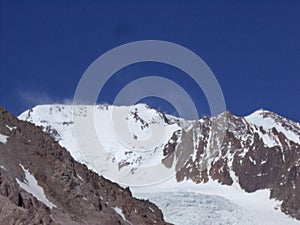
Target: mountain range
<point>245,168</point>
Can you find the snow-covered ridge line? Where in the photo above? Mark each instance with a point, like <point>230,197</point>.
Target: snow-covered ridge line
<point>260,111</point>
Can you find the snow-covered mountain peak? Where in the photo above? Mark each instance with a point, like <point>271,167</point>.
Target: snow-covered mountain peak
<point>116,139</point>
<point>268,120</point>
<point>259,151</point>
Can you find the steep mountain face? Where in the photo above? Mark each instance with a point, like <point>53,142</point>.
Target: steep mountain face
<point>260,151</point>
<point>40,183</point>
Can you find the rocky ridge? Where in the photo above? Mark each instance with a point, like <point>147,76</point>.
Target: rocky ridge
<point>254,155</point>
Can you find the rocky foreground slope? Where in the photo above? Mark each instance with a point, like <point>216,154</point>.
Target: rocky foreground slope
<point>40,183</point>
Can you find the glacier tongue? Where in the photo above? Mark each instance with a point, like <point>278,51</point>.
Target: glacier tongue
<point>212,203</point>
<point>191,208</point>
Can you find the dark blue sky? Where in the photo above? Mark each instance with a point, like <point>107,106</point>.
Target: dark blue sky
<point>253,48</point>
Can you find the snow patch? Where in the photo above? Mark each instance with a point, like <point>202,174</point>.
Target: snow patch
<point>3,138</point>
<point>120,212</point>
<point>2,167</point>
<point>31,186</point>
<point>10,128</point>
<point>80,178</point>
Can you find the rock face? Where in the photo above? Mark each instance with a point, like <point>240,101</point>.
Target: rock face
<point>40,183</point>
<point>259,151</point>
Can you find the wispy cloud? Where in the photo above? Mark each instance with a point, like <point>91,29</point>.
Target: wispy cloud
<point>39,98</point>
